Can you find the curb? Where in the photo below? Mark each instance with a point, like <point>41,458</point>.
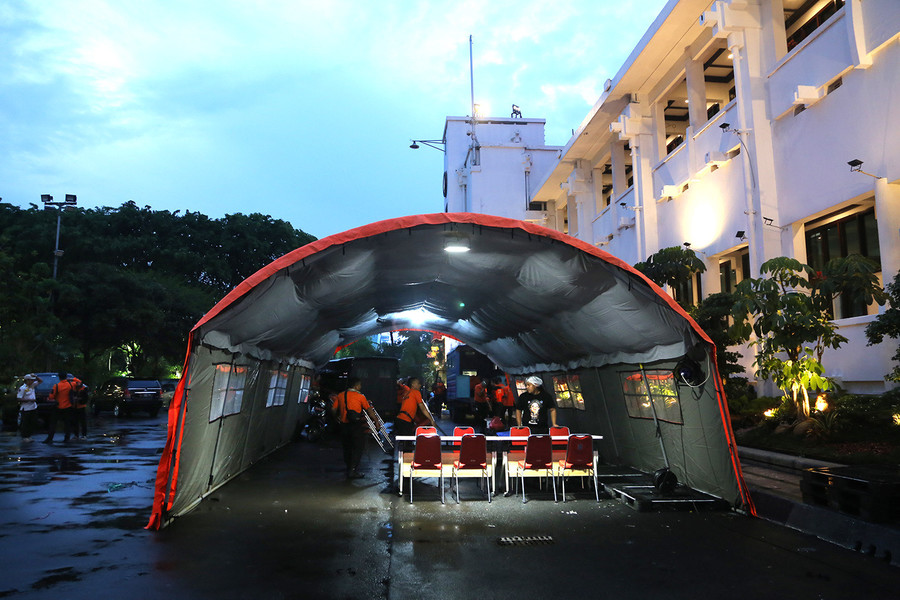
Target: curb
<point>782,460</point>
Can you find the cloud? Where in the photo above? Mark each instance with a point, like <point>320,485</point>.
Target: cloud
<point>284,106</point>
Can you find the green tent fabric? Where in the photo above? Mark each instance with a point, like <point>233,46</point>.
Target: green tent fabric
<point>534,300</point>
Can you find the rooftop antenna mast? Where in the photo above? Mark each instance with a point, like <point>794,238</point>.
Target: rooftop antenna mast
<point>471,79</point>
<point>475,146</point>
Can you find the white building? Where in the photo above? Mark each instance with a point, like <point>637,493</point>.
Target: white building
<point>729,127</point>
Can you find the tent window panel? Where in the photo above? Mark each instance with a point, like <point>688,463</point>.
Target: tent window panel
<point>305,382</point>
<point>575,392</point>
<point>277,388</point>
<point>563,395</point>
<point>228,391</point>
<point>663,393</point>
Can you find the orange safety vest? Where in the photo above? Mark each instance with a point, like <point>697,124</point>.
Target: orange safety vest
<point>62,392</point>
<point>410,406</point>
<point>350,401</point>
<point>480,393</point>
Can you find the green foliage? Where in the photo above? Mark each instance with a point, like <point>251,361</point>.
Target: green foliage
<point>785,412</point>
<point>824,425</point>
<point>673,267</point>
<point>788,311</point>
<point>887,324</point>
<point>865,410</point>
<point>130,286</point>
<point>713,314</point>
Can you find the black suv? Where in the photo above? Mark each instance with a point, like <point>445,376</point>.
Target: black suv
<point>124,396</point>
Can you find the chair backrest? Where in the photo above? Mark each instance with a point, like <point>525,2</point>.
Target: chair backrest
<point>459,431</point>
<point>559,431</point>
<point>427,454</point>
<point>424,429</point>
<point>580,451</point>
<point>473,451</point>
<point>523,432</point>
<point>539,451</point>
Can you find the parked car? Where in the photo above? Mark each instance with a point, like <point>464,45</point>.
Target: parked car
<point>124,395</point>
<point>168,390</point>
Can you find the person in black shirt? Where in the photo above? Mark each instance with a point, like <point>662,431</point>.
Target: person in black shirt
<point>535,406</point>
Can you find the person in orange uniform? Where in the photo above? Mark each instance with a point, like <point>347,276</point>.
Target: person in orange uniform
<point>348,408</point>
<point>63,393</point>
<point>402,393</point>
<point>482,406</point>
<point>412,411</point>
<point>504,403</point>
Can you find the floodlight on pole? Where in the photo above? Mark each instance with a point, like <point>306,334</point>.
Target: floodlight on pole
<point>856,167</point>
<point>69,203</point>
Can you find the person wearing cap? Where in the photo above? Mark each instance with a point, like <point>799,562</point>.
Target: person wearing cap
<point>63,393</point>
<point>28,406</point>
<point>536,407</point>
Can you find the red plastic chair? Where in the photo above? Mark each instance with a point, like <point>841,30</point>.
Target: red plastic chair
<point>461,431</point>
<point>538,460</point>
<point>425,429</point>
<point>559,446</point>
<point>427,459</point>
<point>473,458</point>
<point>559,431</point>
<point>580,459</point>
<point>516,451</point>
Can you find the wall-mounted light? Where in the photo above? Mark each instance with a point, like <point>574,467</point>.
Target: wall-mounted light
<point>429,143</point>
<point>687,245</point>
<point>856,167</point>
<point>516,112</point>
<point>768,220</point>
<point>741,235</point>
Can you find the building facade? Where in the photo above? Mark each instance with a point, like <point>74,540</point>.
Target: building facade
<point>730,128</point>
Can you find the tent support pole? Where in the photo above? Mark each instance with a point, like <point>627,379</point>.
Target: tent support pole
<point>662,446</point>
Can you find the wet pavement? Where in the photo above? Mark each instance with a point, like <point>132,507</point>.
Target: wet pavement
<point>72,518</point>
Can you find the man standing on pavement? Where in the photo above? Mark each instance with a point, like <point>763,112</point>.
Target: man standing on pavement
<point>28,406</point>
<point>348,408</point>
<point>535,405</point>
<point>63,393</point>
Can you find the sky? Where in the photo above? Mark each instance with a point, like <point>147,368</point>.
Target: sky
<point>299,110</point>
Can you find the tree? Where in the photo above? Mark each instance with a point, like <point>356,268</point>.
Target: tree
<point>790,314</point>
<point>673,267</point>
<point>131,284</point>
<point>887,324</point>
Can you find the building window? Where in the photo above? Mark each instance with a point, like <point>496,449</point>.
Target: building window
<point>802,17</point>
<point>854,234</point>
<point>277,388</point>
<point>663,392</point>
<point>689,291</point>
<point>718,77</point>
<point>228,390</point>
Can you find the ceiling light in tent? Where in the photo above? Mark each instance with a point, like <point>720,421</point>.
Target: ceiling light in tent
<point>456,244</point>
<point>415,317</point>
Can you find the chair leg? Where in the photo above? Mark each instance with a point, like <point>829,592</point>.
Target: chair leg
<point>596,490</point>
<point>563,476</point>
<point>456,478</point>
<point>410,484</point>
<point>442,486</point>
<point>553,481</point>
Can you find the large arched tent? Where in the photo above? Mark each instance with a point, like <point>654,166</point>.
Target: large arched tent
<point>534,300</point>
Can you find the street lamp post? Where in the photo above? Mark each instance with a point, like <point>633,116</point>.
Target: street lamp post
<point>67,204</point>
